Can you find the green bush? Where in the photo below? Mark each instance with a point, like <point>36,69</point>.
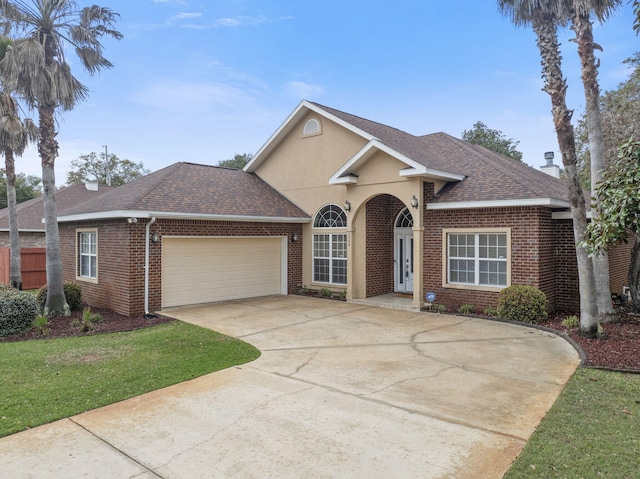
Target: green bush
<point>522,303</point>
<point>490,311</point>
<point>467,309</point>
<point>571,321</point>
<point>325,293</point>
<point>17,311</point>
<point>439,308</point>
<point>72,293</point>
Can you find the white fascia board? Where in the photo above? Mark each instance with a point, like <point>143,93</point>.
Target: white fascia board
<point>459,205</point>
<point>180,216</point>
<point>566,215</point>
<point>302,109</point>
<point>23,230</point>
<point>431,173</point>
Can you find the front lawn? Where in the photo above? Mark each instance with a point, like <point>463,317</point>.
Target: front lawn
<point>45,380</point>
<point>593,430</point>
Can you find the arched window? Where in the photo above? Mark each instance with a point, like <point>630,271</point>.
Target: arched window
<point>330,216</point>
<point>312,127</point>
<point>330,250</point>
<point>404,219</point>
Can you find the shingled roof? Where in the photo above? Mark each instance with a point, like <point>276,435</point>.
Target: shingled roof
<point>189,190</point>
<point>31,212</point>
<point>489,176</point>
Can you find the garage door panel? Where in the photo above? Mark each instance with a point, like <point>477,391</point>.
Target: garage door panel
<point>199,270</point>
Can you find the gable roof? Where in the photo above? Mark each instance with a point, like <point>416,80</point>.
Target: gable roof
<point>476,176</point>
<point>31,212</point>
<point>191,191</point>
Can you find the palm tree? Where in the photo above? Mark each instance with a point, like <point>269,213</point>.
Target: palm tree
<point>14,137</point>
<point>36,62</point>
<point>579,12</point>
<point>545,16</point>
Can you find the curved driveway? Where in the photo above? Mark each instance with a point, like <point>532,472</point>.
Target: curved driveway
<point>342,390</point>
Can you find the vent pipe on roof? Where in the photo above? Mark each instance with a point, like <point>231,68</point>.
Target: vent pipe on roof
<point>550,168</point>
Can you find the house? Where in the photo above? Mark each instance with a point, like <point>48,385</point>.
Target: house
<point>333,201</point>
<point>32,233</point>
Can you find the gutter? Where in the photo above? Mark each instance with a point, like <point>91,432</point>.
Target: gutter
<point>146,269</point>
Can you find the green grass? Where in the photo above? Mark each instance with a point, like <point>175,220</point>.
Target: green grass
<point>592,431</point>
<point>45,380</point>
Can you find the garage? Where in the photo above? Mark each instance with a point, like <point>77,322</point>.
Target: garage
<point>205,270</point>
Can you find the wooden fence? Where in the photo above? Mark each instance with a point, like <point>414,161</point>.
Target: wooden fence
<point>34,267</point>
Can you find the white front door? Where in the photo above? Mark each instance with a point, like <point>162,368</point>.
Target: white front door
<point>404,260</point>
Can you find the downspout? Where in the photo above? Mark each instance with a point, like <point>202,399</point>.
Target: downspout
<point>146,269</point>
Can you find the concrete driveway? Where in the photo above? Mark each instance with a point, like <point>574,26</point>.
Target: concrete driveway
<point>341,390</point>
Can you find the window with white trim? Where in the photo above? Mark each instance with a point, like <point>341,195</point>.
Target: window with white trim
<point>88,254</point>
<point>312,127</point>
<point>477,259</point>
<point>330,249</point>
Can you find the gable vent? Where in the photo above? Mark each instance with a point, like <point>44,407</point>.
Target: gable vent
<point>311,127</point>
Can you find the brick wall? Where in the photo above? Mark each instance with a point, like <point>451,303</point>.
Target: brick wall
<point>121,257</point>
<point>27,240</point>
<point>532,246</point>
<point>380,217</point>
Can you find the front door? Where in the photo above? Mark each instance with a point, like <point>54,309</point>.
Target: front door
<point>404,261</point>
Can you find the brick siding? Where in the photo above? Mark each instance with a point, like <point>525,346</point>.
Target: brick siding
<point>121,257</point>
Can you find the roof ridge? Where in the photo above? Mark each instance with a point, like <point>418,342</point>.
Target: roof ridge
<point>153,184</point>
<point>329,109</point>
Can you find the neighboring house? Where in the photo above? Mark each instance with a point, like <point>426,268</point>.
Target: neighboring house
<point>31,213</point>
<point>330,201</point>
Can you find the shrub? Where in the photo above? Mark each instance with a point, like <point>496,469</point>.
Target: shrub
<point>41,323</point>
<point>522,303</point>
<point>467,309</point>
<point>72,293</point>
<point>439,308</point>
<point>490,311</point>
<point>571,321</point>
<point>88,321</point>
<point>17,311</point>
<point>325,293</point>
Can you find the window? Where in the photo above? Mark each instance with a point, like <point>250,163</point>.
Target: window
<point>404,219</point>
<point>88,254</point>
<point>478,259</point>
<point>330,250</point>
<point>311,127</point>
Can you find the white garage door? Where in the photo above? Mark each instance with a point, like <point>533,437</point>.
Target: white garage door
<point>204,270</point>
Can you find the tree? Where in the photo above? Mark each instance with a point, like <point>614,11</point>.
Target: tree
<point>37,65</point>
<point>620,109</point>
<point>544,17</point>
<point>15,134</point>
<point>116,173</point>
<point>579,12</point>
<point>27,187</point>
<point>619,192</point>
<point>636,11</point>
<point>493,140</point>
<point>238,161</point>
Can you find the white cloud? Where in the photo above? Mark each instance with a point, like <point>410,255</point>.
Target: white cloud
<point>187,16</point>
<point>302,90</point>
<point>240,21</point>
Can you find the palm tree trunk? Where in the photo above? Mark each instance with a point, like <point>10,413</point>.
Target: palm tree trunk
<point>582,26</point>
<point>555,85</point>
<point>56,304</point>
<point>15,276</point>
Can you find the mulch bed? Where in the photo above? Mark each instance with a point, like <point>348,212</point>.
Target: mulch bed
<point>110,323</point>
<point>619,350</point>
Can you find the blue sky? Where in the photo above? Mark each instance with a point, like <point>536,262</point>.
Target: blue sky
<point>200,80</point>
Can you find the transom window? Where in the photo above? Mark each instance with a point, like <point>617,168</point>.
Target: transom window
<point>330,249</point>
<point>404,220</point>
<point>88,254</point>
<point>330,216</point>
<point>478,259</point>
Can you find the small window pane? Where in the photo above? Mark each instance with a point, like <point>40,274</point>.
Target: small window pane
<point>330,216</point>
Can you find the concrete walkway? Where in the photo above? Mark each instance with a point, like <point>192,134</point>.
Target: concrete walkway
<point>341,390</point>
